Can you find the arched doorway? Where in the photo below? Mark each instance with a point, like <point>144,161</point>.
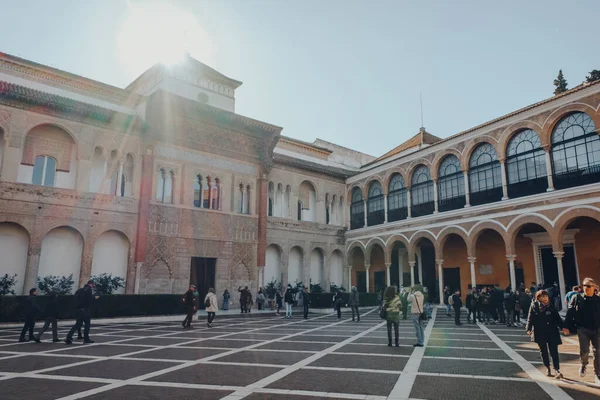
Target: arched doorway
<point>61,252</point>
<point>336,266</point>
<point>111,255</point>
<point>273,264</point>
<point>296,260</point>
<point>317,261</point>
<point>14,244</point>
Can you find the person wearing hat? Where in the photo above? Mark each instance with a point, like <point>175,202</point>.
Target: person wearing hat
<point>31,309</point>
<point>189,301</point>
<point>84,298</point>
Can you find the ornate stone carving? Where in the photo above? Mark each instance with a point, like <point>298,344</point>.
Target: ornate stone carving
<point>205,159</point>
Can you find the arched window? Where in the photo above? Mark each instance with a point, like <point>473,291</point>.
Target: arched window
<point>270,207</point>
<point>216,194</point>
<point>451,184</point>
<point>241,202</point>
<point>327,215</point>
<point>299,211</point>
<point>164,187</point>
<point>525,165</point>
<point>114,183</point>
<point>198,191</point>
<point>397,202</point>
<point>575,151</point>
<point>357,210</point>
<point>375,209</point>
<point>485,180</point>
<point>421,192</point>
<point>247,200</point>
<point>44,171</point>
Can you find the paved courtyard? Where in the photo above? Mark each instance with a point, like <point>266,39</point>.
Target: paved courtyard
<point>267,357</point>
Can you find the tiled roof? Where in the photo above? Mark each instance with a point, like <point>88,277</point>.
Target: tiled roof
<point>421,138</point>
<point>312,166</point>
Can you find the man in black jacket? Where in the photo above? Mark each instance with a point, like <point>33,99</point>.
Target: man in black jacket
<point>189,301</point>
<point>84,297</point>
<point>457,304</point>
<point>305,301</point>
<point>31,309</point>
<point>51,318</point>
<point>583,316</point>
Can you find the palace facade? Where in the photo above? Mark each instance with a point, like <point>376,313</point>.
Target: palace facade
<point>163,184</point>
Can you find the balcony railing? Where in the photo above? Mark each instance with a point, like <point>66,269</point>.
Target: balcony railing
<point>452,203</point>
<point>375,217</point>
<point>397,214</point>
<point>583,176</point>
<point>357,221</point>
<point>486,196</point>
<point>418,210</point>
<point>527,188</point>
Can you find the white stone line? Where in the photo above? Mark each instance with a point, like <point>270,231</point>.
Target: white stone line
<point>464,348</point>
<point>495,378</point>
<point>65,378</point>
<point>347,353</point>
<point>370,371</point>
<point>469,359</point>
<point>405,382</point>
<point>300,364</point>
<point>554,391</point>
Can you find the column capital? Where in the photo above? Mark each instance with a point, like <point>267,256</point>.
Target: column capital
<point>511,257</point>
<point>388,265</point>
<point>558,254</point>
<point>546,147</point>
<point>412,263</point>
<point>367,266</point>
<point>439,262</point>
<point>472,259</point>
<point>349,266</point>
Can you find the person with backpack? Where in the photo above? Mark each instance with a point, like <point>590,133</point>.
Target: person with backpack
<point>31,309</point>
<point>243,298</point>
<point>84,297</point>
<point>416,308</point>
<point>525,303</point>
<point>353,302</point>
<point>51,317</point>
<point>392,304</point>
<point>210,302</point>
<point>484,306</point>
<point>289,301</point>
<point>583,317</point>
<point>189,302</point>
<point>543,326</point>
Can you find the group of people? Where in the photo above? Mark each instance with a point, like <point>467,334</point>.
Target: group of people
<point>84,298</point>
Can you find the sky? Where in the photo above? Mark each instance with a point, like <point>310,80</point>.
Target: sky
<point>346,71</point>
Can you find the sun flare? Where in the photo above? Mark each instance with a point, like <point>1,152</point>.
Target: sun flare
<point>160,33</point>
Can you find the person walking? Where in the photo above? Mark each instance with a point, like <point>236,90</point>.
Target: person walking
<point>51,317</point>
<point>305,302</point>
<point>575,290</point>
<point>279,300</point>
<point>289,301</point>
<point>484,306</point>
<point>353,302</point>
<point>189,302</point>
<point>510,301</point>
<point>84,297</point>
<point>243,299</point>
<point>260,299</point>
<point>543,326</point>
<point>583,317</point>
<point>338,300</point>
<point>226,297</point>
<point>31,310</point>
<point>457,305</point>
<point>524,300</point>
<point>404,301</point>
<point>249,300</point>
<point>210,302</point>
<point>392,305</point>
<point>416,308</point>
<point>447,295</point>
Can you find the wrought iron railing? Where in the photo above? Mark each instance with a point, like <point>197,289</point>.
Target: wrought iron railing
<point>452,203</point>
<point>357,220</point>
<point>527,188</point>
<point>375,217</point>
<point>486,196</point>
<point>418,210</point>
<point>397,214</point>
<point>579,177</point>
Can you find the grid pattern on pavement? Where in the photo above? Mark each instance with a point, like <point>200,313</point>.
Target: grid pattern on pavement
<point>267,357</point>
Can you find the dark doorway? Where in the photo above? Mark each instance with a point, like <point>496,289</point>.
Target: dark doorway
<point>570,268</point>
<point>428,279</point>
<point>406,279</point>
<point>379,281</point>
<point>452,278</point>
<point>203,276</point>
<point>550,267</point>
<point>394,275</point>
<point>361,281</point>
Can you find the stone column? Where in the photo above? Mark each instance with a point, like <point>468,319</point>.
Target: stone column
<point>366,212</point>
<point>367,267</point>
<point>262,191</point>
<point>467,191</point>
<point>144,207</point>
<point>401,266</point>
<point>33,263</point>
<point>120,179</point>
<point>388,279</point>
<point>513,280</point>
<point>561,275</point>
<point>411,264</point>
<point>408,202</point>
<point>549,169</point>
<point>420,265</point>
<point>201,182</point>
<point>440,264</point>
<point>385,207</point>
<point>503,175</point>
<point>349,277</point>
<point>435,196</point>
<point>473,280</point>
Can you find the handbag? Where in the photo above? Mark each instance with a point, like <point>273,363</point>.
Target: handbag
<point>422,316</point>
<point>207,302</point>
<point>383,312</point>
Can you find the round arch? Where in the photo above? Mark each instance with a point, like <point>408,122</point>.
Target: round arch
<point>369,247</point>
<point>515,225</point>
<point>61,253</point>
<point>435,165</point>
<point>472,145</point>
<point>415,239</point>
<point>352,187</point>
<point>390,173</point>
<point>111,255</point>
<point>391,242</point>
<point>569,215</point>
<point>413,167</point>
<point>452,230</point>
<point>557,115</point>
<point>484,225</point>
<point>370,182</point>
<point>352,247</point>
<point>515,128</point>
<point>14,247</point>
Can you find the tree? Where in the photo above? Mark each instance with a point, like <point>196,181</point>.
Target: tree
<point>593,76</point>
<point>6,284</point>
<point>560,83</point>
<point>107,284</point>
<point>60,285</point>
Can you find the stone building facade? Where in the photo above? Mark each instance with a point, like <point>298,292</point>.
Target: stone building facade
<point>163,184</point>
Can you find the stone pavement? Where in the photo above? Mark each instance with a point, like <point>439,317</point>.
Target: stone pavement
<point>265,357</point>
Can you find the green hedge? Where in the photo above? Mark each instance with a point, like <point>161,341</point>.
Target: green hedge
<point>109,306</point>
<point>325,300</point>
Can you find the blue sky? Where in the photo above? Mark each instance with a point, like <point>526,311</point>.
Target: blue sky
<point>347,71</point>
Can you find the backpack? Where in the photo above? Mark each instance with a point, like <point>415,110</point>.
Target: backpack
<point>207,302</point>
<point>451,300</point>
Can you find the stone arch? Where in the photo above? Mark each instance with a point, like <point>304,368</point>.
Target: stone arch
<point>473,143</point>
<point>557,115</point>
<point>61,253</point>
<point>336,267</point>
<point>370,181</point>
<point>111,254</point>
<point>413,167</point>
<point>14,247</point>
<point>362,189</point>
<point>60,126</point>
<point>515,225</point>
<point>435,165</point>
<point>390,173</point>
<point>369,247</point>
<point>317,264</point>
<point>416,237</point>
<point>567,216</point>
<point>351,247</point>
<point>452,230</point>
<point>273,262</point>
<point>391,242</point>
<point>484,225</point>
<point>296,260</point>
<point>515,128</point>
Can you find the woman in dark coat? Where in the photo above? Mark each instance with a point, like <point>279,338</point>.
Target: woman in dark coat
<point>543,325</point>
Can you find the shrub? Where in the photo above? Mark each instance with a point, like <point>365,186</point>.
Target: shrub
<point>272,288</point>
<point>60,285</point>
<point>334,288</point>
<point>107,284</point>
<point>316,288</point>
<point>6,284</point>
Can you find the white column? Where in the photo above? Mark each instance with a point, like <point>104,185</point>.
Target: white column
<point>366,212</point>
<point>513,279</point>
<point>503,174</point>
<point>440,264</point>
<point>120,178</point>
<point>561,275</point>
<point>388,280</point>
<point>467,192</point>
<point>103,185</point>
<point>411,264</point>
<point>367,270</point>
<point>282,198</point>
<point>401,266</point>
<point>549,169</point>
<point>408,202</point>
<point>473,280</point>
<point>420,265</point>
<point>385,207</point>
<point>201,193</point>
<point>435,196</point>
<point>349,277</point>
